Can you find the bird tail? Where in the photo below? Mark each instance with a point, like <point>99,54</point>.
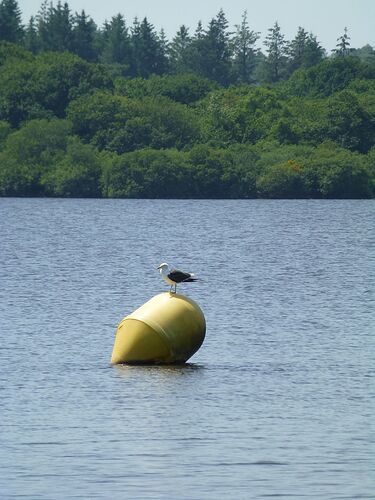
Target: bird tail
<point>190,279</point>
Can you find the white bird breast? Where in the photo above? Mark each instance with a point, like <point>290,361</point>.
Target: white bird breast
<point>167,280</point>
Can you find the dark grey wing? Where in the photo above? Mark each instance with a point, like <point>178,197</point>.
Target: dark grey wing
<point>178,276</point>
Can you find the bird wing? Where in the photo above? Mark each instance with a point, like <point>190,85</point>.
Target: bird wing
<point>178,276</point>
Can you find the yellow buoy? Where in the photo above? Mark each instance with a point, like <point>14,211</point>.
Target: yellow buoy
<point>169,328</point>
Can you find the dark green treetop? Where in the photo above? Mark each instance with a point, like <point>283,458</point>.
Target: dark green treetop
<point>343,47</point>
<point>245,55</point>
<point>116,42</point>
<point>275,64</point>
<point>11,29</point>
<point>179,51</point>
<point>84,36</point>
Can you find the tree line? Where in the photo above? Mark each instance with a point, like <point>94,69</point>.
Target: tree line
<point>136,49</point>
<point>75,127</point>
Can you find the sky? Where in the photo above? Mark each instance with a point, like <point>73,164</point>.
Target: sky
<point>324,18</point>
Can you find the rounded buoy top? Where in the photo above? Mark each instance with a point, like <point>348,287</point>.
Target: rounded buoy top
<point>169,328</point>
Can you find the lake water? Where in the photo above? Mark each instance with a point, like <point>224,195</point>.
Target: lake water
<point>278,402</point>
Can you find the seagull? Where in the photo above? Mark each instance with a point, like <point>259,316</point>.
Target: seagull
<point>174,276</point>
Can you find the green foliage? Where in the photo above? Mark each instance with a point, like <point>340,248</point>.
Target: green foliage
<point>184,88</point>
<point>148,56</point>
<point>76,174</point>
<point>366,54</point>
<point>275,63</point>
<point>240,114</point>
<point>84,37</point>
<point>55,27</point>
<point>73,128</point>
<point>31,39</point>
<point>343,47</point>
<point>29,153</point>
<point>179,50</point>
<point>121,124</point>
<point>210,51</point>
<point>244,51</point>
<point>11,53</point>
<point>117,48</point>
<point>44,85</point>
<point>327,171</point>
<point>11,28</point>
<point>203,172</point>
<point>223,173</point>
<point>328,77</point>
<point>349,123</point>
<point>304,51</point>
<point>5,130</point>
<point>283,180</point>
<point>340,173</point>
<point>148,174</point>
<point>370,167</point>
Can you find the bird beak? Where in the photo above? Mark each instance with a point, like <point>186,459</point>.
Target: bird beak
<point>158,267</point>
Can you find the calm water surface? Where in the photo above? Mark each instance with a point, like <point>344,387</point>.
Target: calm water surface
<point>278,402</point>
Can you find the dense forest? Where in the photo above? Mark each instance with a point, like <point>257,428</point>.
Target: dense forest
<point>121,111</point>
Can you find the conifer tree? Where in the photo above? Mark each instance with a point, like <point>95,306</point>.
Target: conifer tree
<point>42,26</point>
<point>275,63</point>
<point>179,51</point>
<point>195,51</point>
<point>343,47</point>
<point>244,51</point>
<point>218,49</point>
<point>55,27</point>
<point>314,52</point>
<point>296,50</point>
<point>146,50</point>
<point>199,32</point>
<point>210,54</point>
<point>162,53</point>
<point>11,28</point>
<point>304,51</point>
<point>84,36</point>
<point>117,46</point>
<point>31,40</point>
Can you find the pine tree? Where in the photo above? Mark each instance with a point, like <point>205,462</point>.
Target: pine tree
<point>117,47</point>
<point>210,51</point>
<point>304,51</point>
<point>146,50</point>
<point>42,19</point>
<point>84,36</point>
<point>314,52</point>
<point>296,50</point>
<point>195,51</point>
<point>199,32</point>
<point>31,40</point>
<point>244,51</point>
<point>276,54</point>
<point>55,27</point>
<point>162,53</point>
<point>11,28</point>
<point>343,47</point>
<point>179,51</point>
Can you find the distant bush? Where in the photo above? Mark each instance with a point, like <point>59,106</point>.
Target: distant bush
<point>121,124</point>
<point>183,88</point>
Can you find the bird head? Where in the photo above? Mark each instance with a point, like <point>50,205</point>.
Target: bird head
<point>163,266</point>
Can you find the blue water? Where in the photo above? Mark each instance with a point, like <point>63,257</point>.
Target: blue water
<point>278,402</point>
